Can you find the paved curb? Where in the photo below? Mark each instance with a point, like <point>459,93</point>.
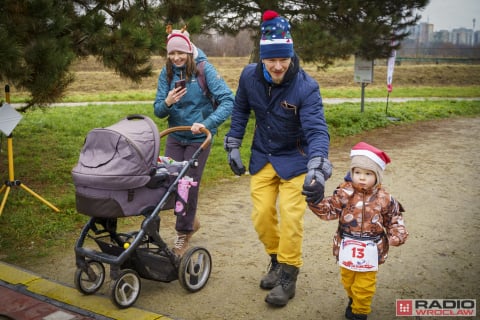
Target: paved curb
<point>65,297</point>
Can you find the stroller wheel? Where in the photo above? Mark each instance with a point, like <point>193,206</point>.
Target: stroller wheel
<point>125,289</point>
<point>88,282</point>
<point>195,268</point>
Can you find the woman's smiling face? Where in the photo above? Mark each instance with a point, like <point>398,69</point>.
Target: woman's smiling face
<point>178,58</point>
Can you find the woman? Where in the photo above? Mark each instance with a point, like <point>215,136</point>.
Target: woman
<point>187,104</point>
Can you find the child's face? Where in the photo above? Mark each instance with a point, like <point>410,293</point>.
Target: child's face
<point>364,178</point>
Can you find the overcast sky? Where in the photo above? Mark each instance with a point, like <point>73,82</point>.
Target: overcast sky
<point>451,14</point>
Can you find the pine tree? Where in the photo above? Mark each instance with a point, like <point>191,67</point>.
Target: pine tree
<point>42,38</point>
<point>325,30</point>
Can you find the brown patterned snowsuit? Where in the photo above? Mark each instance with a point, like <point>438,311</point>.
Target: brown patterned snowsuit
<point>364,213</point>
<point>371,213</point>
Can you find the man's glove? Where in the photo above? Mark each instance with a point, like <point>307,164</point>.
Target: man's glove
<point>319,170</point>
<point>231,145</point>
<point>236,162</point>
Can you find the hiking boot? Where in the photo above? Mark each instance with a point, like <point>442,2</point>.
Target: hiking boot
<point>353,316</point>
<point>285,288</point>
<point>271,278</point>
<point>180,244</point>
<point>348,310</point>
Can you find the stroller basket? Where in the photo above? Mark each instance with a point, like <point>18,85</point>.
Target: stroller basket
<point>145,260</point>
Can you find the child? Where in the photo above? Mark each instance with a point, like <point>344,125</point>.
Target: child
<point>370,220</point>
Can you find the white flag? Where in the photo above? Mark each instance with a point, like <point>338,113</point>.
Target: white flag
<point>390,67</point>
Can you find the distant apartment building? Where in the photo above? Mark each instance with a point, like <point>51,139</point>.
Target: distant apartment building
<point>442,36</point>
<point>423,33</point>
<point>462,36</point>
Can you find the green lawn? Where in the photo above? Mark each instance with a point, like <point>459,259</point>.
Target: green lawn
<point>47,143</point>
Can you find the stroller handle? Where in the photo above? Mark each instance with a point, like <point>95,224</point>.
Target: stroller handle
<point>207,132</point>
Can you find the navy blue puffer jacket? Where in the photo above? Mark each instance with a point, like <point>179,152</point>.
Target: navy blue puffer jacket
<point>290,125</point>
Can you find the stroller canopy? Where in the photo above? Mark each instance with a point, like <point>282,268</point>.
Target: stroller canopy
<point>121,156</point>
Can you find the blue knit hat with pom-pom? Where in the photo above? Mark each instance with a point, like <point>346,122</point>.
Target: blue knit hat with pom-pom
<point>276,40</point>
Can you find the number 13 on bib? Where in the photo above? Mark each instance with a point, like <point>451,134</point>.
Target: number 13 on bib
<point>358,255</point>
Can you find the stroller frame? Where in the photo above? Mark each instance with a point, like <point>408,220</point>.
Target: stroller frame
<point>142,253</point>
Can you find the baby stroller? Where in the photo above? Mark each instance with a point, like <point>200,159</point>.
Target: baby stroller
<point>119,175</point>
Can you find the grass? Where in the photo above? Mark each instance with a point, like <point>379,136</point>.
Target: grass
<point>47,143</point>
<point>454,80</point>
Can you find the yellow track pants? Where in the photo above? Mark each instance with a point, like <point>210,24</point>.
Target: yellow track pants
<point>281,232</point>
<point>360,286</point>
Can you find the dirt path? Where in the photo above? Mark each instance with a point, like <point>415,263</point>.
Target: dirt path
<point>434,174</point>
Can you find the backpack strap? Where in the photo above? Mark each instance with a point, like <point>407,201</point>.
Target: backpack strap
<point>202,82</point>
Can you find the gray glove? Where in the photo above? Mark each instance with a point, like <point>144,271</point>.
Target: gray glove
<point>319,170</point>
<point>232,145</point>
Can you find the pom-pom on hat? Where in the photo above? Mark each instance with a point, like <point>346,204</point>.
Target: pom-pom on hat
<point>368,157</point>
<point>276,40</point>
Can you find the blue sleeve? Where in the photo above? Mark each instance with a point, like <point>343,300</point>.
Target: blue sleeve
<point>222,94</point>
<point>241,108</point>
<point>313,120</point>
<point>159,107</point>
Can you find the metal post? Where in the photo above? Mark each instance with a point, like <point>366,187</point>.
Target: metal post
<point>363,96</point>
<point>12,182</point>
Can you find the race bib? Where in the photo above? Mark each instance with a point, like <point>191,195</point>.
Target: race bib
<point>358,255</point>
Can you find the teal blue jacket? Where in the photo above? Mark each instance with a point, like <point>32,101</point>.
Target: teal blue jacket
<point>194,106</point>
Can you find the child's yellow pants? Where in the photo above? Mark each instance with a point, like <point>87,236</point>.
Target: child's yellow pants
<point>360,286</point>
<point>281,233</point>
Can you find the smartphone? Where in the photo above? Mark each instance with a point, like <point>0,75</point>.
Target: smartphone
<point>180,84</point>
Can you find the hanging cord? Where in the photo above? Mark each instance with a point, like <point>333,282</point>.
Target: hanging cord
<point>386,111</point>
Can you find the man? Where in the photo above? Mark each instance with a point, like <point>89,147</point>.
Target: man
<point>289,154</point>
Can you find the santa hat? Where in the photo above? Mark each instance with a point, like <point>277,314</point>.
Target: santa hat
<point>376,155</point>
<point>276,40</point>
<point>368,157</point>
<point>179,40</point>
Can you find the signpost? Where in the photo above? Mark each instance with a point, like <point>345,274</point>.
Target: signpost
<point>363,74</point>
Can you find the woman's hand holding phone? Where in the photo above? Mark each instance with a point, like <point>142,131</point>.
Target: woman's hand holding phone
<point>180,84</point>
<point>176,94</point>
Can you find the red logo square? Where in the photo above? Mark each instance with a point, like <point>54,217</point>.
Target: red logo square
<point>404,308</point>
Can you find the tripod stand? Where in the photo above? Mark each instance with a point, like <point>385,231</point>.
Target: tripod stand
<point>11,182</point>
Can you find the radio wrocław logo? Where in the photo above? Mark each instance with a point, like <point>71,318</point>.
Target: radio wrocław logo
<point>436,307</point>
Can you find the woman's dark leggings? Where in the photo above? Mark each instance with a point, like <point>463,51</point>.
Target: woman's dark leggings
<point>180,152</point>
